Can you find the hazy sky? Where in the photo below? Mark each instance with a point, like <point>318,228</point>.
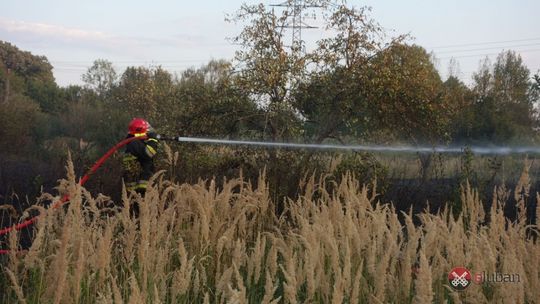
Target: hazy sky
<point>180,34</point>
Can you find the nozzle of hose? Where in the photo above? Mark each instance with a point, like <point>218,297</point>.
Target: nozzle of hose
<point>164,137</point>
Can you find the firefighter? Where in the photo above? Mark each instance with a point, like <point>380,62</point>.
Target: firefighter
<point>138,159</point>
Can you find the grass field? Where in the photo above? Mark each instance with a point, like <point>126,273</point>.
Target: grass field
<point>221,241</point>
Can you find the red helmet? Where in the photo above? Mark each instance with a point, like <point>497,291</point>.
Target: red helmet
<point>138,126</point>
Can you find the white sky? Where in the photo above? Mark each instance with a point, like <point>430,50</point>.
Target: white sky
<point>180,34</point>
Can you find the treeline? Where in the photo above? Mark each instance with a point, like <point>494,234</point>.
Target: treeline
<point>357,86</point>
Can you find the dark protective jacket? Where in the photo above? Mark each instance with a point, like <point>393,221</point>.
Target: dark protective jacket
<point>138,162</point>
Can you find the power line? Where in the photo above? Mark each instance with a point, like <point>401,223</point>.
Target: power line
<point>489,48</point>
<point>128,62</point>
<point>483,43</point>
<point>490,54</point>
<point>64,65</point>
<point>84,66</point>
<point>60,68</point>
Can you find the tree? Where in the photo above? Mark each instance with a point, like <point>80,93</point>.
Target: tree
<point>141,89</point>
<point>48,95</point>
<point>331,107</point>
<point>460,100</point>
<point>101,77</point>
<point>333,99</point>
<point>206,102</point>
<point>406,94</point>
<point>372,87</point>
<point>483,79</point>
<point>504,99</point>
<point>356,40</point>
<point>24,73</point>
<point>536,89</point>
<point>395,94</point>
<point>511,79</point>
<point>267,69</point>
<point>24,63</point>
<point>15,131</point>
<point>277,75</point>
<point>454,70</point>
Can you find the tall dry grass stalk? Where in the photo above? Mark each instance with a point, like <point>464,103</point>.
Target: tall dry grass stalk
<point>423,283</point>
<point>16,286</point>
<point>221,242</point>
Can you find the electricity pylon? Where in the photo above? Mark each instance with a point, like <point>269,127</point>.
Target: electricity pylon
<point>296,7</point>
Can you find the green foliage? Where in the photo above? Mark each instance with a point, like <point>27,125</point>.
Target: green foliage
<point>358,86</point>
<point>205,102</point>
<point>141,89</point>
<point>266,63</point>
<point>269,70</point>
<point>358,37</point>
<point>467,171</point>
<point>15,130</point>
<point>333,106</point>
<point>11,83</point>
<point>407,94</point>
<point>24,73</point>
<point>396,94</point>
<point>101,77</point>
<point>25,64</point>
<point>460,99</point>
<point>49,96</point>
<point>511,79</point>
<point>501,107</point>
<point>364,167</point>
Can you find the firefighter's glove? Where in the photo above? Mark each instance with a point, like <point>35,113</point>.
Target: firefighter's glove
<point>152,135</point>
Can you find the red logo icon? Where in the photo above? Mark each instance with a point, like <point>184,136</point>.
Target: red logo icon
<point>459,278</point>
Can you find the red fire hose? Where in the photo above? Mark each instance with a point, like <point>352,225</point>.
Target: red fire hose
<point>65,198</point>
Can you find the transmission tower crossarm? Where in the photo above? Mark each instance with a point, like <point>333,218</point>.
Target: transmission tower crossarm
<point>297,7</point>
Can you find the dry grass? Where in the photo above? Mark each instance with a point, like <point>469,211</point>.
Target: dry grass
<point>223,243</point>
